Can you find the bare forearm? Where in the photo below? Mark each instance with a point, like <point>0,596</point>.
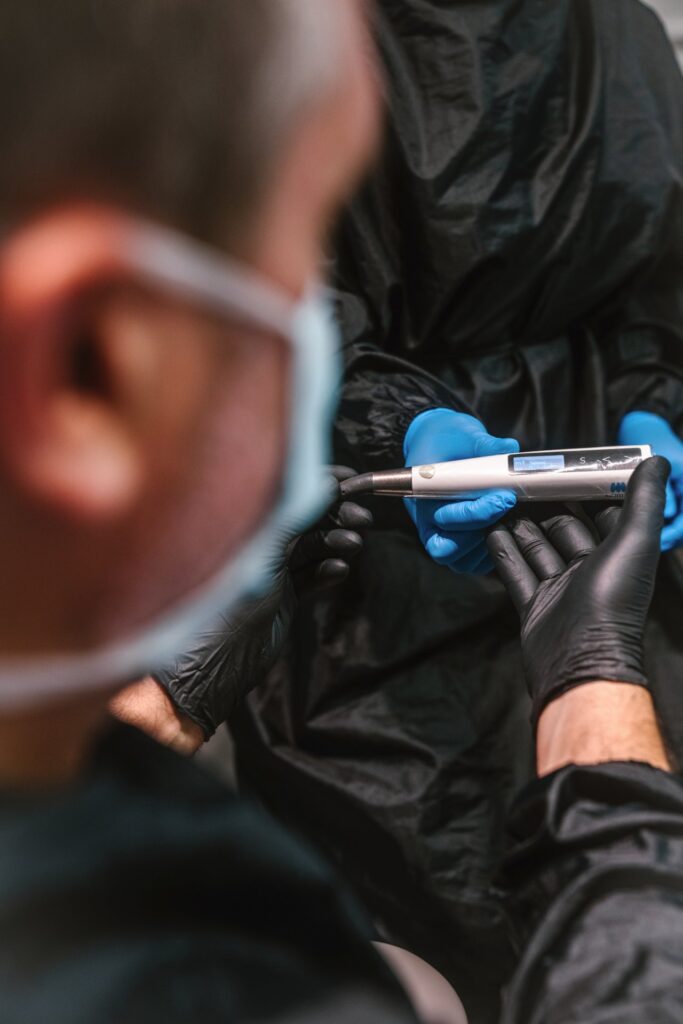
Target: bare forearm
<point>598,723</point>
<point>147,706</point>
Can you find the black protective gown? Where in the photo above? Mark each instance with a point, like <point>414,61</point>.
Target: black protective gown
<point>146,893</point>
<point>519,255</point>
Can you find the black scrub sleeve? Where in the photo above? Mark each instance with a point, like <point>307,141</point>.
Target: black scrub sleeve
<point>643,345</point>
<point>230,657</point>
<point>595,895</point>
<point>642,328</point>
<point>648,379</point>
<point>382,393</point>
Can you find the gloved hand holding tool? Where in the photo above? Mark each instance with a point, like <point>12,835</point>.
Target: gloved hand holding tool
<point>231,658</point>
<point>453,532</point>
<point>648,428</point>
<point>583,604</point>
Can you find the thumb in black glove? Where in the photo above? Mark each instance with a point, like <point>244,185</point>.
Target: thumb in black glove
<point>231,658</point>
<point>321,558</point>
<point>583,603</point>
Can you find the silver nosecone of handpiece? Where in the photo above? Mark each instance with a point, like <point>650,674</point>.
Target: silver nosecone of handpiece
<point>390,482</point>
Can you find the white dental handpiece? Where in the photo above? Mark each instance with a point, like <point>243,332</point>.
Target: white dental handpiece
<point>575,474</point>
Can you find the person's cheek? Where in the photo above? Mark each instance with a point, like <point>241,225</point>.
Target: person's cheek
<point>241,457</point>
<point>221,477</point>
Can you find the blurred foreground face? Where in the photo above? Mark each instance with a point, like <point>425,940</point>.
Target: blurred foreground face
<point>141,438</point>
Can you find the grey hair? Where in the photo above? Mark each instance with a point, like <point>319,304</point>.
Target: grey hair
<point>306,61</point>
<point>174,108</point>
<point>303,66</point>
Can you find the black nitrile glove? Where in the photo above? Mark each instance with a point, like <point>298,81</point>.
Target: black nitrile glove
<point>321,557</point>
<point>584,603</point>
<point>232,657</point>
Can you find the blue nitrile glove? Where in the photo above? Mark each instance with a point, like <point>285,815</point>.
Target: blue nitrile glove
<point>648,428</point>
<point>453,532</point>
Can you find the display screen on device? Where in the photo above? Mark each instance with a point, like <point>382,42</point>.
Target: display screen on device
<point>573,460</point>
<point>537,463</point>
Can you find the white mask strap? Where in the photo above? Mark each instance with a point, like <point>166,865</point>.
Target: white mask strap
<point>193,271</point>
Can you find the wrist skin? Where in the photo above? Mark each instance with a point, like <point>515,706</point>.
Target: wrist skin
<point>147,706</point>
<point>597,723</point>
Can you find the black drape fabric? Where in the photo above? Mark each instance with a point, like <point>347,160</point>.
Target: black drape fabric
<point>518,254</point>
<point>149,893</point>
<point>522,240</point>
<point>595,898</point>
<point>394,734</point>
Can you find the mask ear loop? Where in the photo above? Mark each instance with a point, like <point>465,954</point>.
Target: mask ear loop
<point>174,263</point>
<point>171,261</point>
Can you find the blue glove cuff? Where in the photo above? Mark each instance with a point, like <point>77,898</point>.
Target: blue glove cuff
<point>645,428</point>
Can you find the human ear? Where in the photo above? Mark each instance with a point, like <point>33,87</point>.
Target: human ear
<point>65,440</point>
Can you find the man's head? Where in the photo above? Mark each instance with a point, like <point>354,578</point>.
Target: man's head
<point>141,438</point>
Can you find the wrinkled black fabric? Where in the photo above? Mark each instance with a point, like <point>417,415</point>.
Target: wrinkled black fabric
<point>231,656</point>
<point>149,894</point>
<point>594,890</point>
<point>387,741</point>
<point>519,255</point>
<point>522,240</point>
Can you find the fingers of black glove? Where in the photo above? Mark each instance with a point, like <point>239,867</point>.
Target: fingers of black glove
<point>319,576</point>
<point>341,472</point>
<point>331,573</point>
<point>350,516</point>
<point>569,536</point>
<point>515,574</point>
<point>539,511</point>
<point>607,520</point>
<point>537,549</point>
<point>309,549</point>
<point>344,544</point>
<point>645,498</point>
<point>322,546</point>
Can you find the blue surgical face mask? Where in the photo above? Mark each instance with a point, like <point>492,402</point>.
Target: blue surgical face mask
<point>189,271</point>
